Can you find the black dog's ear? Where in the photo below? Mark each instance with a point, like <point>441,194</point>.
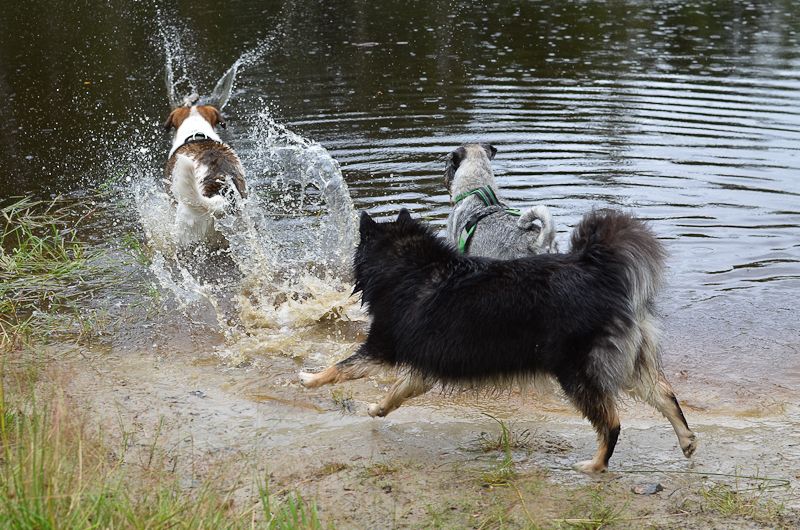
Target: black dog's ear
<point>490,150</point>
<point>404,216</point>
<point>366,224</point>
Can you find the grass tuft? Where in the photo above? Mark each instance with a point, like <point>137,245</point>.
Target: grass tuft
<point>292,513</point>
<point>748,502</point>
<point>46,272</point>
<point>504,471</point>
<point>597,513</point>
<point>508,436</point>
<point>54,473</point>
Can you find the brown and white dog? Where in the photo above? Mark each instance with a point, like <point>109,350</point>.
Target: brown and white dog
<point>203,174</point>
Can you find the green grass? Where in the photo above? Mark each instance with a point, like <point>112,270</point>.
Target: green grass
<point>46,272</point>
<point>598,512</point>
<point>504,471</point>
<point>55,473</point>
<point>293,513</point>
<point>137,251</point>
<point>732,501</point>
<point>508,437</point>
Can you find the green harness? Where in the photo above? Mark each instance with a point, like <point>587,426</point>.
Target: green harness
<point>493,205</point>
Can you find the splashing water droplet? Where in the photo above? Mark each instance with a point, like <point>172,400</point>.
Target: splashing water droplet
<point>284,276</point>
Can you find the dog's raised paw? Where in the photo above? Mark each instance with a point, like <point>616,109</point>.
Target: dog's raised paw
<point>375,410</point>
<point>589,467</point>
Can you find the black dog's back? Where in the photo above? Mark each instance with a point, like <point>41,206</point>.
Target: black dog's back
<point>494,319</point>
<point>460,320</point>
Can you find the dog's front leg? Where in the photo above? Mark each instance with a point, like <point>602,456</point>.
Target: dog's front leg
<point>407,387</point>
<point>602,413</point>
<point>356,366</point>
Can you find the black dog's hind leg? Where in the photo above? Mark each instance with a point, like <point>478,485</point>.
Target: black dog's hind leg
<point>407,387</point>
<point>662,397</point>
<point>601,411</point>
<point>356,366</point>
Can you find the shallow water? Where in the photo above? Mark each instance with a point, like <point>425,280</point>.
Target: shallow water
<point>687,113</point>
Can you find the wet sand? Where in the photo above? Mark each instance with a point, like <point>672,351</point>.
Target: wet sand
<point>427,463</point>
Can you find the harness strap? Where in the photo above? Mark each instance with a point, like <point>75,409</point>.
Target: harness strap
<point>484,193</point>
<point>493,205</point>
<point>465,237</point>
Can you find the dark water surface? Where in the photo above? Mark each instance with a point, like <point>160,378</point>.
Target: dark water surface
<point>687,113</point>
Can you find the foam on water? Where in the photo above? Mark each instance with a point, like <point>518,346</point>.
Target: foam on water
<point>293,243</point>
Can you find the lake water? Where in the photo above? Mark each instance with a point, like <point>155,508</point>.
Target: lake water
<point>686,113</point>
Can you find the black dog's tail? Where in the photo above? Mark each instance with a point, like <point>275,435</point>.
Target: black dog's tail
<point>609,238</point>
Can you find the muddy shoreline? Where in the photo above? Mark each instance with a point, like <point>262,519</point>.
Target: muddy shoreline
<point>426,465</point>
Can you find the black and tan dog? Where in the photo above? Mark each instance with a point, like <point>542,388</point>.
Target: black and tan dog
<point>584,318</point>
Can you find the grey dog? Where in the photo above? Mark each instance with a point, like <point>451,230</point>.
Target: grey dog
<point>480,223</point>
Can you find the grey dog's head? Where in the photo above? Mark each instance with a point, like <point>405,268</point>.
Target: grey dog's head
<point>455,158</point>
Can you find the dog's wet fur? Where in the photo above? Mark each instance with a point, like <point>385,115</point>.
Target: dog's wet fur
<point>499,235</point>
<point>584,318</point>
<point>222,165</point>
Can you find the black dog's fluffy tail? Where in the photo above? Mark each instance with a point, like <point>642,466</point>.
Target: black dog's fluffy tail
<point>609,237</point>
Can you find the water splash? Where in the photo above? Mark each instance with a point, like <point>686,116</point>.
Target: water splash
<point>256,53</point>
<point>294,243</point>
<point>181,88</point>
<point>177,63</point>
<point>282,285</point>
<point>301,176</point>
<point>285,273</point>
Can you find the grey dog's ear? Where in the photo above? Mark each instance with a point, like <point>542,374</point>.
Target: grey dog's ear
<point>457,156</point>
<point>451,164</point>
<point>490,150</point>
<point>366,224</point>
<point>404,216</point>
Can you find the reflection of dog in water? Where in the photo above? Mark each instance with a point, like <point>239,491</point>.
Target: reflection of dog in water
<point>203,174</point>
<point>480,224</point>
<point>585,318</point>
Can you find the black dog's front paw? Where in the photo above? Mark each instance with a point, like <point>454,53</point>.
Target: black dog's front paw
<point>375,410</point>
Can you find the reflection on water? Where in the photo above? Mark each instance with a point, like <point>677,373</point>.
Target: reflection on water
<point>687,113</point>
